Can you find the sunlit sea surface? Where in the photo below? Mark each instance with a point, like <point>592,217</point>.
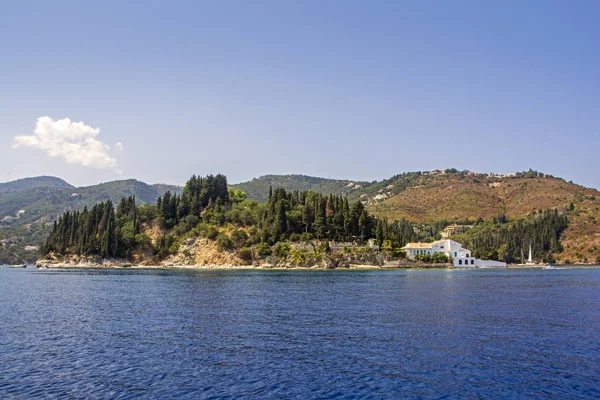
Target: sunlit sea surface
<point>164,334</point>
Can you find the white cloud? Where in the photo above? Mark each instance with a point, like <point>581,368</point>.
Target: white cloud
<point>74,142</point>
<point>119,146</point>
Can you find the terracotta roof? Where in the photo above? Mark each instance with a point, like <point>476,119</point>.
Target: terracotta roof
<point>417,246</point>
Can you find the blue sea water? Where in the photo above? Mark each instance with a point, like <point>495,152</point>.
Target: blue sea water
<point>99,334</point>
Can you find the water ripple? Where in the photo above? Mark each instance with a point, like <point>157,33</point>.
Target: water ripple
<point>99,334</point>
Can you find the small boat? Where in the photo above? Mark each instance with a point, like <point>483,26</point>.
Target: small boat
<point>19,266</point>
<point>529,262</point>
<point>530,259</point>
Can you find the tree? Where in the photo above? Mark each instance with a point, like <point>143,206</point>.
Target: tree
<point>379,234</point>
<point>280,220</point>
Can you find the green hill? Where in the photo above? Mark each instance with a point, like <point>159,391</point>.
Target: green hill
<point>33,183</point>
<point>258,188</point>
<point>27,208</point>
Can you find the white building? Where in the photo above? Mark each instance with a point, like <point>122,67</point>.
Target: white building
<point>453,250</point>
<point>448,247</point>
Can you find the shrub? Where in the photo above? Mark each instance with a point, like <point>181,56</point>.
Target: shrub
<point>224,242</point>
<point>143,240</point>
<point>254,235</point>
<point>306,236</point>
<point>174,247</point>
<point>425,258</point>
<point>263,249</point>
<point>180,229</point>
<point>440,258</point>
<point>239,238</point>
<point>298,257</point>
<point>245,254</point>
<point>397,253</point>
<point>191,221</point>
<point>294,237</point>
<point>281,249</point>
<point>212,232</point>
<point>147,212</point>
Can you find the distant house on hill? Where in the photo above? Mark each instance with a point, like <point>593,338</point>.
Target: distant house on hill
<point>461,257</point>
<point>454,229</point>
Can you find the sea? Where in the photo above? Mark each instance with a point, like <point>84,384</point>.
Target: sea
<point>300,334</point>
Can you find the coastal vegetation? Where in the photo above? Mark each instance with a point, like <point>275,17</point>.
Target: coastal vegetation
<point>501,238</point>
<point>207,208</point>
<point>291,227</point>
<point>413,206</point>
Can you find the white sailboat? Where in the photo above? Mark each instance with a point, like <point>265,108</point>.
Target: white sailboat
<point>530,259</point>
<point>529,262</point>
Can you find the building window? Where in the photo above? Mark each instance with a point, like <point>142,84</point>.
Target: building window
<point>455,254</point>
<point>459,262</point>
<point>472,262</point>
<point>441,247</point>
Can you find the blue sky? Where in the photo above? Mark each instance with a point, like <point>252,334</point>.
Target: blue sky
<point>342,89</point>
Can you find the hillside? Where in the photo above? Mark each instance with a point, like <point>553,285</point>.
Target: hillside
<point>258,188</point>
<point>27,208</point>
<point>458,197</point>
<point>462,196</point>
<point>451,195</point>
<point>33,183</point>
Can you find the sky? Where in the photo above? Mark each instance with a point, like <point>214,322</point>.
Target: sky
<point>361,90</point>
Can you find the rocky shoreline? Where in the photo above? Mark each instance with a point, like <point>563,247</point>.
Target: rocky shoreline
<point>124,264</point>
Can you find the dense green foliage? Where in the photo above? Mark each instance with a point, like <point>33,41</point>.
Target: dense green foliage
<point>198,194</point>
<point>206,205</point>
<point>41,205</point>
<point>33,183</point>
<point>258,189</point>
<point>100,230</point>
<point>51,202</point>
<point>291,214</point>
<point>509,240</point>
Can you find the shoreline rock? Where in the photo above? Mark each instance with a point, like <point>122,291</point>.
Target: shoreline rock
<point>124,264</point>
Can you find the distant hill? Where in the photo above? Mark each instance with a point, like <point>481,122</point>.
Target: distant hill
<point>27,207</point>
<point>33,183</point>
<point>258,188</point>
<point>51,201</point>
